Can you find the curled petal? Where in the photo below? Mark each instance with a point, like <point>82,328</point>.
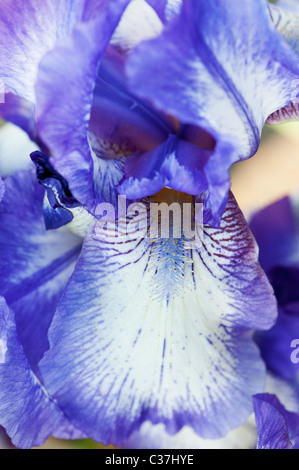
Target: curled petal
<point>227,84</point>
<point>156,437</point>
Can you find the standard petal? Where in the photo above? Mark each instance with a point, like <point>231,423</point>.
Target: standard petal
<point>27,412</point>
<point>227,71</point>
<point>28,30</point>
<point>64,89</point>
<point>35,264</point>
<point>148,330</point>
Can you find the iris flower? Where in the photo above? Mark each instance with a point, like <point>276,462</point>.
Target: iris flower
<point>154,101</point>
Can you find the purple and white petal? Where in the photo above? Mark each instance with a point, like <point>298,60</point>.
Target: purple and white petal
<point>175,164</point>
<point>271,424</point>
<point>148,330</point>
<point>289,5</point>
<point>28,30</point>
<point>276,426</point>
<point>287,23</point>
<point>139,22</point>
<point>27,412</point>
<point>35,264</point>
<point>63,117</point>
<point>166,9</point>
<point>227,84</point>
<point>156,437</point>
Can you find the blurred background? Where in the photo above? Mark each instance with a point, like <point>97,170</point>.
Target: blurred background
<point>271,174</point>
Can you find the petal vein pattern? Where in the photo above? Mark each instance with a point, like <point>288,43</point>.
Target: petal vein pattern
<point>122,353</point>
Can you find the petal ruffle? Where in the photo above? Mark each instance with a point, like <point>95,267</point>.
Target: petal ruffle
<point>35,264</point>
<point>227,84</point>
<point>287,23</point>
<point>147,330</point>
<point>156,437</point>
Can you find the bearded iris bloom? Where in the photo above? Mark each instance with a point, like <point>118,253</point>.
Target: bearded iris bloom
<point>99,336</point>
